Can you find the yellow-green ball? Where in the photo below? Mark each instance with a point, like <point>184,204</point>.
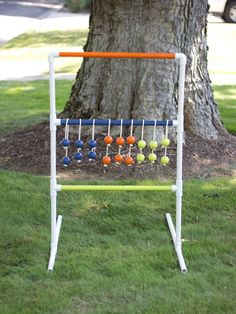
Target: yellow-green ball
<point>152,157</point>
<point>165,142</point>
<point>165,160</point>
<point>140,158</point>
<point>153,144</point>
<point>141,144</point>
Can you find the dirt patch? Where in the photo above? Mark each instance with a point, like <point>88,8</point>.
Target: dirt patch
<point>28,150</point>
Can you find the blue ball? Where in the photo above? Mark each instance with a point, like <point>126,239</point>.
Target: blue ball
<point>92,144</point>
<point>79,144</point>
<point>78,156</point>
<point>65,142</point>
<point>66,161</point>
<point>92,155</point>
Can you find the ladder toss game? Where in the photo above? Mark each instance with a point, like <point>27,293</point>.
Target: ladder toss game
<point>178,123</point>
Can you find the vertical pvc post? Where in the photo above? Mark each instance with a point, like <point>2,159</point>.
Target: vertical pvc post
<point>55,224</point>
<point>179,166</point>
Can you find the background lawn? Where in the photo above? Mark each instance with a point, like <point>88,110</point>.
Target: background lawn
<point>225,97</point>
<point>16,98</point>
<point>25,103</point>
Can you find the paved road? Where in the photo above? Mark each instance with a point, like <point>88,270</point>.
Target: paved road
<point>16,9</point>
<point>20,20</point>
<point>30,9</point>
<point>17,17</point>
<point>43,15</point>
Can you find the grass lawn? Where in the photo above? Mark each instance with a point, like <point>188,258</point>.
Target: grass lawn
<point>25,103</point>
<point>70,38</point>
<point>34,56</point>
<point>225,97</point>
<point>115,253</point>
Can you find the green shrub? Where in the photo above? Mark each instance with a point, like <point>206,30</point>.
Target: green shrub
<point>77,5</point>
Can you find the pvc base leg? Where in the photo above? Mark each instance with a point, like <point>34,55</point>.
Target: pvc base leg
<point>54,244</point>
<point>178,251</point>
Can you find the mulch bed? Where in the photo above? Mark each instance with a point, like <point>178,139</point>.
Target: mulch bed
<point>28,150</point>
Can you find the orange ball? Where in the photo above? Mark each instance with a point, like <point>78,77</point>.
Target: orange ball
<point>106,160</point>
<point>120,141</point>
<point>129,160</point>
<point>131,140</point>
<point>119,158</point>
<point>108,139</point>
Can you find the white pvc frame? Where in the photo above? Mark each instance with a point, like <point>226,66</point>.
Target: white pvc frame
<point>178,188</point>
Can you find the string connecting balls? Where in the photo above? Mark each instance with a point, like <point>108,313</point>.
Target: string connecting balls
<point>165,143</point>
<point>106,160</point>
<point>141,145</point>
<point>79,144</point>
<point>92,144</point>
<point>152,157</point>
<point>130,140</point>
<point>66,143</point>
<point>120,141</point>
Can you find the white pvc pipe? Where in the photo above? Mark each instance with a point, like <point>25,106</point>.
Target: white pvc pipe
<point>55,222</point>
<point>171,227</point>
<point>182,264</point>
<point>54,122</point>
<point>179,163</point>
<point>54,244</point>
<point>178,251</point>
<point>175,122</point>
<point>176,232</point>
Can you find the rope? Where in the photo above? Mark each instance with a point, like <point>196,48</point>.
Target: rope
<point>121,127</point>
<point>79,132</point>
<point>166,136</point>
<point>131,134</point>
<point>131,127</point>
<point>142,132</point>
<point>121,131</point>
<point>67,129</point>
<point>93,129</point>
<point>154,130</point>
<point>108,133</point>
<point>166,133</point>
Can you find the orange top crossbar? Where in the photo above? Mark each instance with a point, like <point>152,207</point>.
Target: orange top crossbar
<point>129,55</point>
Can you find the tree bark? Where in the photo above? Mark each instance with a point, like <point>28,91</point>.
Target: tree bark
<point>146,89</point>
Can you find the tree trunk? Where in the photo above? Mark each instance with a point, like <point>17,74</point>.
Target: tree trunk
<point>128,88</point>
